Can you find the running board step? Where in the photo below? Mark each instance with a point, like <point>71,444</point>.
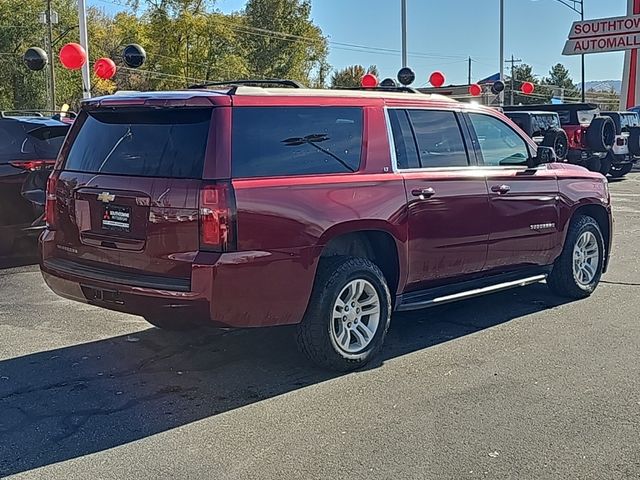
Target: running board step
<point>438,296</point>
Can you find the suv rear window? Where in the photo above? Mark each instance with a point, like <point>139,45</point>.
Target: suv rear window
<point>146,143</point>
<point>277,141</point>
<point>16,143</point>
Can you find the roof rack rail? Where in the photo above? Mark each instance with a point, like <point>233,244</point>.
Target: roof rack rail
<point>379,88</point>
<point>252,83</point>
<point>35,113</point>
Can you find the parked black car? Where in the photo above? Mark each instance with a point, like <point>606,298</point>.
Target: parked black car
<point>544,128</point>
<point>29,145</point>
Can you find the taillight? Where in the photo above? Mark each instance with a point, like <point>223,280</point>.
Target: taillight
<point>217,217</point>
<point>33,165</point>
<point>577,137</point>
<point>50,205</point>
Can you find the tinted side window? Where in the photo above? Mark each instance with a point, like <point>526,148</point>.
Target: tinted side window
<point>275,141</point>
<point>148,143</point>
<point>499,143</point>
<point>404,142</point>
<point>439,139</point>
<point>12,137</point>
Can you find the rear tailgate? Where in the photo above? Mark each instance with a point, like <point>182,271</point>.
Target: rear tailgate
<point>127,195</point>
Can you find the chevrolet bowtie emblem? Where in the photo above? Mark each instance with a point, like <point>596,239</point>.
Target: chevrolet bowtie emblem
<point>106,197</point>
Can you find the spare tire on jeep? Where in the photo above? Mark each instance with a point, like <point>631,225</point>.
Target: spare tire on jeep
<point>634,141</point>
<point>558,140</point>
<point>601,134</point>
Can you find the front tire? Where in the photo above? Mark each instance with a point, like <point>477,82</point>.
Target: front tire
<point>619,171</point>
<point>577,272</point>
<point>348,314</point>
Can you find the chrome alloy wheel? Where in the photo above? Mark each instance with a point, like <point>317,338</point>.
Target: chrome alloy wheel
<point>355,317</point>
<point>586,258</point>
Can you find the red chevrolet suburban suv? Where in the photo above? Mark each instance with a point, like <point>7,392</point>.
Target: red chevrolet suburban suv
<point>329,209</point>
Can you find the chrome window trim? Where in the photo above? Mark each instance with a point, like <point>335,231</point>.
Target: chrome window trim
<point>392,143</point>
<point>475,168</point>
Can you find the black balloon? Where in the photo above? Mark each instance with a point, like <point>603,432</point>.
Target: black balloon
<point>388,82</point>
<point>35,58</point>
<point>134,55</point>
<point>497,87</point>
<point>406,76</point>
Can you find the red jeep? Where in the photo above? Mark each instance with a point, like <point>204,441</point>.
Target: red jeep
<point>249,207</point>
<point>591,135</point>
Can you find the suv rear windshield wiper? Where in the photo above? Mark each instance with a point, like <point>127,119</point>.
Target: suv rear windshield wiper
<point>126,135</point>
<point>312,140</point>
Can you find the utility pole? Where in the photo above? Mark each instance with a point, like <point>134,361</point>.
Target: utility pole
<point>470,70</point>
<point>502,49</point>
<point>404,33</point>
<point>513,62</point>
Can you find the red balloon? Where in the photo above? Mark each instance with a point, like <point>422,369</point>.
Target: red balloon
<point>527,88</point>
<point>105,68</point>
<point>475,90</point>
<point>436,79</point>
<point>73,56</point>
<point>369,81</point>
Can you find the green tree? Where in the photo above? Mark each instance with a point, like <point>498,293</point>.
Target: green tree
<point>352,75</point>
<point>560,84</point>
<point>282,41</point>
<point>524,73</point>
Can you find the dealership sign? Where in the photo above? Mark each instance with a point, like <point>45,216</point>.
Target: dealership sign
<point>603,35</point>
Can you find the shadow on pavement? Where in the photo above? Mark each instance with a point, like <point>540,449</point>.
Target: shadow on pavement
<point>70,402</point>
<point>25,253</point>
<point>18,261</point>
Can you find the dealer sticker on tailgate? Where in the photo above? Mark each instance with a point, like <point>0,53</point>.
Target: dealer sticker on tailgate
<point>116,218</point>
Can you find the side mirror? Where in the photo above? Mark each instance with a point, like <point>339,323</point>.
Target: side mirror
<point>543,155</point>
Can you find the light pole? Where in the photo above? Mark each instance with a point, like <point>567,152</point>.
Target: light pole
<point>502,49</point>
<point>84,41</point>
<point>578,7</point>
<point>404,33</point>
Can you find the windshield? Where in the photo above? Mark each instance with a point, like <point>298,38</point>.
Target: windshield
<point>147,143</point>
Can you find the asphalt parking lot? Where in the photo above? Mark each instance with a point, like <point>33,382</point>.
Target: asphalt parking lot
<point>519,385</point>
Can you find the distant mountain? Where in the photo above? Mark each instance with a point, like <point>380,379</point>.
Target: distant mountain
<point>603,85</point>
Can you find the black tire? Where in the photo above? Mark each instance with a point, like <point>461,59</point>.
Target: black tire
<point>634,141</point>
<point>562,280</point>
<point>593,164</point>
<point>605,164</point>
<point>314,336</point>
<point>557,139</point>
<point>618,171</point>
<point>601,134</point>
<point>173,323</point>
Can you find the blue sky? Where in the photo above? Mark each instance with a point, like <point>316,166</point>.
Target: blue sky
<point>443,33</point>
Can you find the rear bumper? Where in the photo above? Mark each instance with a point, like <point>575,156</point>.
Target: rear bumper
<point>240,289</point>
<point>579,157</point>
<point>618,159</point>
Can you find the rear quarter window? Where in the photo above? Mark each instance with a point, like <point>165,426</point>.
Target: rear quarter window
<point>285,141</point>
<point>146,143</point>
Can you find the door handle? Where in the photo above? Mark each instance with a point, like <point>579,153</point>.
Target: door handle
<point>501,189</point>
<point>423,193</point>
